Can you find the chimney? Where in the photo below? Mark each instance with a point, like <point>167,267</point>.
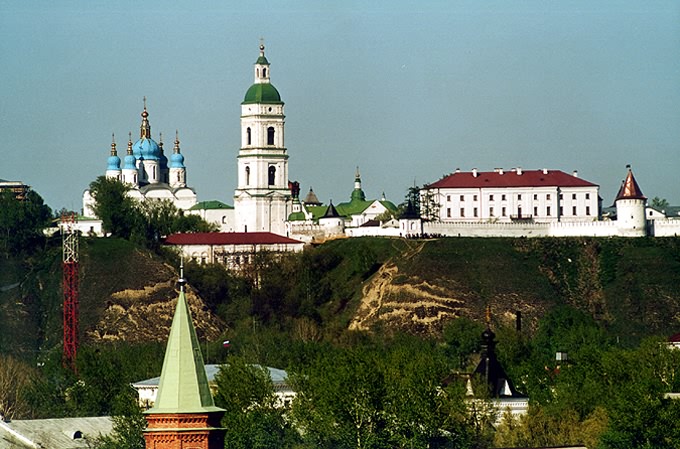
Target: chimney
<point>545,171</point>
<point>500,171</point>
<point>474,172</point>
<point>575,174</point>
<point>458,170</point>
<point>519,170</point>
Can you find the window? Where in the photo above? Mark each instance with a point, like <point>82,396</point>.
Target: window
<point>561,211</point>
<point>462,197</point>
<point>587,196</point>
<point>587,210</point>
<point>561,196</point>
<point>247,175</point>
<point>535,197</point>
<point>519,197</point>
<point>490,197</point>
<point>474,198</point>
<point>547,211</point>
<point>573,210</point>
<point>503,212</point>
<point>462,212</point>
<point>474,212</point>
<point>448,212</point>
<point>535,211</point>
<point>264,72</point>
<point>547,197</point>
<point>448,197</point>
<point>248,136</point>
<point>502,197</point>
<point>491,211</point>
<point>270,135</point>
<point>272,175</point>
<point>573,196</point>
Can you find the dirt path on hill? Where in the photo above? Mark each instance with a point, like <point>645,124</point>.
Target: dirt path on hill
<point>405,303</point>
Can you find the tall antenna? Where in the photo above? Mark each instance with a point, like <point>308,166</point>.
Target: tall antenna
<point>70,287</point>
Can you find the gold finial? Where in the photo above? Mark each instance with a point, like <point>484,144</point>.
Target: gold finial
<point>113,144</point>
<point>145,128</point>
<point>129,148</point>
<point>262,46</point>
<point>357,174</point>
<point>176,148</point>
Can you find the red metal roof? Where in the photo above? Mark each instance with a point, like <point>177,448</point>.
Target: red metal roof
<point>228,238</point>
<point>527,178</point>
<point>630,189</point>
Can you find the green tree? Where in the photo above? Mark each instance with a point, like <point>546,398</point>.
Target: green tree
<point>659,203</point>
<point>118,212</point>
<point>339,400</point>
<point>253,417</point>
<point>22,221</point>
<point>128,424</point>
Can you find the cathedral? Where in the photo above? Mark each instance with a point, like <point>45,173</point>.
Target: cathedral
<point>148,171</point>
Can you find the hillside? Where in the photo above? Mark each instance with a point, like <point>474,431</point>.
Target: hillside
<point>382,285</point>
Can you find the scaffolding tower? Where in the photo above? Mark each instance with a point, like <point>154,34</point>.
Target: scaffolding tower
<point>70,288</point>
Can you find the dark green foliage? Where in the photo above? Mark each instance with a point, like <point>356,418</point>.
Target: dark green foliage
<point>128,424</point>
<point>114,208</point>
<point>461,337</point>
<point>252,417</point>
<point>22,222</point>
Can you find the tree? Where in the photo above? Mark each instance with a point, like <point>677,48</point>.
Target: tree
<point>128,424</point>
<point>659,203</point>
<point>14,382</point>
<point>253,417</point>
<point>22,221</point>
<point>118,212</point>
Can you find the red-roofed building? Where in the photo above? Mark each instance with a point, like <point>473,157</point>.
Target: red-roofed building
<point>236,250</point>
<point>514,195</point>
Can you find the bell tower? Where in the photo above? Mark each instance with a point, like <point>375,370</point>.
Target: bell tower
<point>262,198</point>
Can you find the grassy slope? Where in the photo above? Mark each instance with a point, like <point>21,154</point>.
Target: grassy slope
<point>629,284</point>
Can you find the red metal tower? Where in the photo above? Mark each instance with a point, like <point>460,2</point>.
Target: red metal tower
<point>70,287</point>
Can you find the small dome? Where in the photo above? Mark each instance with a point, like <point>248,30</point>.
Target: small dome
<point>146,149</point>
<point>130,162</point>
<point>177,160</point>
<point>262,93</point>
<point>113,163</point>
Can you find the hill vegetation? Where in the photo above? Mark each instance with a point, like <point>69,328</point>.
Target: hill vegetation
<point>383,303</point>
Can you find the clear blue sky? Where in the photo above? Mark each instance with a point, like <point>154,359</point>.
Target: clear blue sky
<point>405,90</point>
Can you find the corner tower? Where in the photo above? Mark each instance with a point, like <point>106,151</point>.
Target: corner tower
<point>262,199</point>
<point>630,208</point>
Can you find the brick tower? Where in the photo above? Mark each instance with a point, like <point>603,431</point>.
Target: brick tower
<point>184,415</point>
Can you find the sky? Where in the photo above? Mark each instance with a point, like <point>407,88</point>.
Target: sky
<point>406,91</point>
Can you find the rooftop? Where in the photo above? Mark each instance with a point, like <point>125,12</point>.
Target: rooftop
<point>511,178</point>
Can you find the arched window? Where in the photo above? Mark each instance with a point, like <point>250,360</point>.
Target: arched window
<point>154,172</point>
<point>270,135</point>
<point>247,175</point>
<point>248,136</point>
<point>272,175</point>
<point>264,72</point>
<point>258,72</point>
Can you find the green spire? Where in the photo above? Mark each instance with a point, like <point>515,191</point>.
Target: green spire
<point>183,387</point>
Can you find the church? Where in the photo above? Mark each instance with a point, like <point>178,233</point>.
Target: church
<point>148,171</point>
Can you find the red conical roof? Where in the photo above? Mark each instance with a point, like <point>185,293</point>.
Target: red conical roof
<point>630,190</point>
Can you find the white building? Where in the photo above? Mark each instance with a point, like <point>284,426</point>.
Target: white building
<point>262,199</point>
<point>236,250</point>
<point>543,196</point>
<point>215,212</point>
<point>148,389</point>
<point>148,171</point>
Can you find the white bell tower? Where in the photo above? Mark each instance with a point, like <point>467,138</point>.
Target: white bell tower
<point>262,200</point>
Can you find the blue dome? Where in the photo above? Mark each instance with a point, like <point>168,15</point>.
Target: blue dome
<point>177,160</point>
<point>113,163</point>
<point>130,162</point>
<point>146,149</point>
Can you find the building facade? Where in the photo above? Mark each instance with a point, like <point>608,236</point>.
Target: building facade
<point>543,196</point>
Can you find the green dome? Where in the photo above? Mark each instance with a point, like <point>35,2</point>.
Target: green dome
<point>262,93</point>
